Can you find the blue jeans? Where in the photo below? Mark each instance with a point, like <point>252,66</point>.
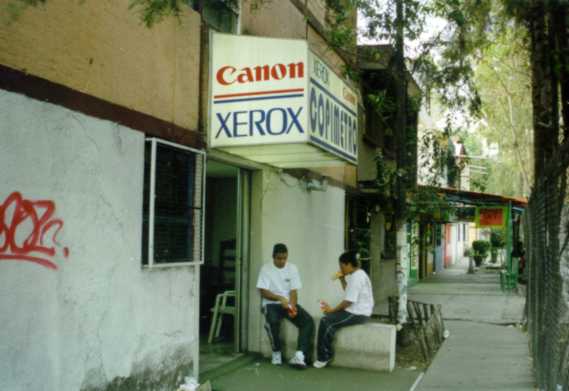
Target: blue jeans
<point>274,314</point>
<point>329,324</point>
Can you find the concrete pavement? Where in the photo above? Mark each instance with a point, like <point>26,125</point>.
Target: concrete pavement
<point>485,351</point>
<point>480,356</point>
<point>259,375</point>
<point>473,297</point>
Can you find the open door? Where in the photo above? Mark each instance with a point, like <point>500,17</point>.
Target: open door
<point>225,271</point>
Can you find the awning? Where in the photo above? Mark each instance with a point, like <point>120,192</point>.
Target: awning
<point>477,198</point>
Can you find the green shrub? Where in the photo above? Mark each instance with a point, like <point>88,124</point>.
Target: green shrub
<point>481,248</point>
<point>497,238</point>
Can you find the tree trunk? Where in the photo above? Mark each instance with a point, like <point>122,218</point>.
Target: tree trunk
<point>401,119</point>
<point>541,85</point>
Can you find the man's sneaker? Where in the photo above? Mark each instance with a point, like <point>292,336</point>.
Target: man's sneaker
<point>298,360</point>
<point>320,364</point>
<point>277,358</point>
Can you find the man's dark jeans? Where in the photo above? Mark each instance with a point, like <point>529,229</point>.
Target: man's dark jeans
<point>274,313</point>
<point>329,324</point>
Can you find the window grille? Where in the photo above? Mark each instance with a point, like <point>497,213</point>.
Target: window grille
<point>173,204</point>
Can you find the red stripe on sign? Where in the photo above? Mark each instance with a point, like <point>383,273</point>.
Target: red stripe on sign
<point>258,93</point>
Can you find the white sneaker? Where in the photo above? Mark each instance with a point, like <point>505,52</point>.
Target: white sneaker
<point>298,360</point>
<point>277,358</point>
<point>320,364</point>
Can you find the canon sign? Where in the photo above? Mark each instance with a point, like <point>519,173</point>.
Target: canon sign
<point>228,74</point>
<point>268,92</point>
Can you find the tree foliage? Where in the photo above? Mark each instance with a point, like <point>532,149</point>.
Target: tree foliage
<point>503,78</point>
<point>442,62</point>
<point>150,11</point>
<point>479,61</point>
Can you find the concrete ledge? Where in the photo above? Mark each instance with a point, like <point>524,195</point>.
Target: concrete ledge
<point>368,346</point>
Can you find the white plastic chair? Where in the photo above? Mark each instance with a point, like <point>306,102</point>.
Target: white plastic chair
<point>219,309</point>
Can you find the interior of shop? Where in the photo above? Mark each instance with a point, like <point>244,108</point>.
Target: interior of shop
<point>218,275</point>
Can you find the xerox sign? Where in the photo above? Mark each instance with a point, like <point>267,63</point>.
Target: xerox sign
<point>258,91</point>
<point>268,91</point>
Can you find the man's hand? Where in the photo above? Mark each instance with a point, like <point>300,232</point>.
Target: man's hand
<point>292,311</point>
<point>267,294</point>
<point>325,307</point>
<point>337,275</point>
<point>340,307</point>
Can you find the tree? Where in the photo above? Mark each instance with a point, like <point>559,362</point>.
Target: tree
<point>503,78</point>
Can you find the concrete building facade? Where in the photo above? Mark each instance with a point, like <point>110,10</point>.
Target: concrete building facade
<point>82,85</point>
<point>116,235</point>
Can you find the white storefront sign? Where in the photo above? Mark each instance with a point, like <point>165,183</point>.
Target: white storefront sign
<point>333,112</point>
<point>275,92</point>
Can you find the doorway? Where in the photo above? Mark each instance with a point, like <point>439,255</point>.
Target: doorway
<point>224,271</point>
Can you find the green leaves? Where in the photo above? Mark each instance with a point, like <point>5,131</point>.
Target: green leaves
<point>383,104</point>
<point>497,238</point>
<point>152,11</point>
<point>12,9</point>
<point>481,248</point>
<point>457,17</point>
<point>425,203</point>
<point>503,78</point>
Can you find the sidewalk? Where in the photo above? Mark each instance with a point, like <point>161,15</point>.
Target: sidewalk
<point>485,350</point>
<point>474,297</point>
<point>257,374</point>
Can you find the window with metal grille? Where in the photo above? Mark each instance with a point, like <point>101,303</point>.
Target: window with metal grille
<point>173,212</point>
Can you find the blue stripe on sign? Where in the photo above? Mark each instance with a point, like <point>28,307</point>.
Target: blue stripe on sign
<point>261,98</point>
<point>333,97</point>
<point>315,140</point>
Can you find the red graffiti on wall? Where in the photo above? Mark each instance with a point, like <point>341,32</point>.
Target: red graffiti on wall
<point>28,231</point>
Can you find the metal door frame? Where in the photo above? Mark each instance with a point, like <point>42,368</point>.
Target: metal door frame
<point>242,251</point>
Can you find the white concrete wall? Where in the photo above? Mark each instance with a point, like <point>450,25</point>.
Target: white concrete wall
<point>311,224</point>
<point>458,246</point>
<point>97,316</point>
<point>460,243</point>
<point>454,242</point>
<point>383,271</point>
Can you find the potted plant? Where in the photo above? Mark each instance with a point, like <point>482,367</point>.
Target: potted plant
<point>480,250</point>
<point>497,242</point>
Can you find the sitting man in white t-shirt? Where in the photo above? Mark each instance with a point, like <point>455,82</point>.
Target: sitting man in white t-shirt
<point>355,309</point>
<point>278,284</point>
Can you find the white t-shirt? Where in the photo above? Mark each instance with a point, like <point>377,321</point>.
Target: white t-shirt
<point>358,291</point>
<point>278,281</point>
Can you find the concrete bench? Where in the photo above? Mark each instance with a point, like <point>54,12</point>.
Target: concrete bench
<point>367,346</point>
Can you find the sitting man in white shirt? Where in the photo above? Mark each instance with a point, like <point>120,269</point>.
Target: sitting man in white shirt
<point>355,309</point>
<point>278,284</point>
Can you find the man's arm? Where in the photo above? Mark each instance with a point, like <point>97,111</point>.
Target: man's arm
<point>343,282</point>
<point>293,298</point>
<point>340,307</point>
<point>267,294</point>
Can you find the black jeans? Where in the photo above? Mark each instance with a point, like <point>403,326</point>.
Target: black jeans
<point>329,324</point>
<point>274,313</point>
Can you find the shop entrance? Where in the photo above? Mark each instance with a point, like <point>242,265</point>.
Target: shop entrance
<point>225,265</point>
